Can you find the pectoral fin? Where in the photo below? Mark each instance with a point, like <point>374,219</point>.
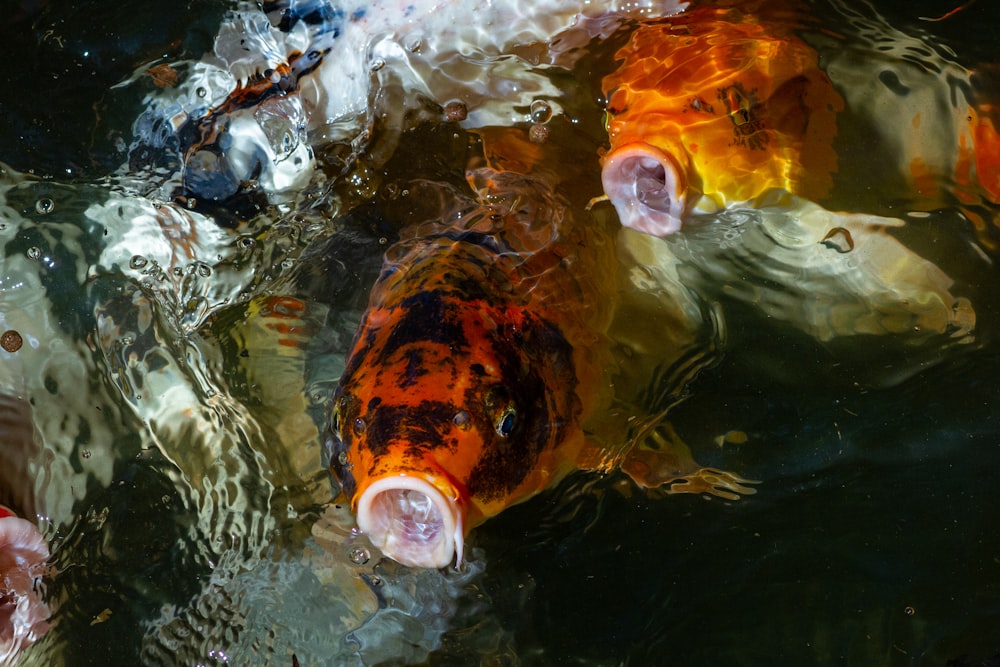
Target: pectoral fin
<point>662,461</point>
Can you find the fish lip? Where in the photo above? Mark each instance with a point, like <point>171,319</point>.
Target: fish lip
<point>385,512</point>
<point>647,187</point>
<point>20,541</point>
<point>23,613</point>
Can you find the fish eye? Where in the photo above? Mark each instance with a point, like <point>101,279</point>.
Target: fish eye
<point>506,421</point>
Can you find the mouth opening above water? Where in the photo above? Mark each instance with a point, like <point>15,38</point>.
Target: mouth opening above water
<point>646,187</point>
<point>411,522</point>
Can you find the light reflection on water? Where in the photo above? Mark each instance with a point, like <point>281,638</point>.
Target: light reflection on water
<point>188,510</point>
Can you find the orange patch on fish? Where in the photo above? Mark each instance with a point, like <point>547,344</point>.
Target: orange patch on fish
<point>738,85</point>
<point>987,152</point>
<point>163,75</point>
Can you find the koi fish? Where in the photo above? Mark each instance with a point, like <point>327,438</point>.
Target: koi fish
<point>23,550</point>
<point>460,393</point>
<point>712,107</point>
<point>724,114</point>
<point>483,369</point>
<point>726,105</point>
<point>933,118</point>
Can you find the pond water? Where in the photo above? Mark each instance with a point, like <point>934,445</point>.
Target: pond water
<point>179,357</point>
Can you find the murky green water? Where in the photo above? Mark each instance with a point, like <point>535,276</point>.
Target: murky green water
<point>178,362</point>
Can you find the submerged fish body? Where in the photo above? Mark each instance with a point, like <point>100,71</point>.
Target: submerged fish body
<point>470,376</point>
<point>508,341</point>
<point>712,107</point>
<point>23,550</point>
<point>933,117</point>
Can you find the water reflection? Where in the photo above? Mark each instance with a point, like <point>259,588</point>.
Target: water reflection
<point>178,352</point>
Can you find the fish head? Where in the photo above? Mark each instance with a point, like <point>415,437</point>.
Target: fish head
<point>441,418</point>
<point>714,108</point>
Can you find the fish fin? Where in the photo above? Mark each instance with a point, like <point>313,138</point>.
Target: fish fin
<point>662,461</point>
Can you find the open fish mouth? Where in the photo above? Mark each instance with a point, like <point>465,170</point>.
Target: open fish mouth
<point>646,187</point>
<point>411,521</point>
<point>23,614</point>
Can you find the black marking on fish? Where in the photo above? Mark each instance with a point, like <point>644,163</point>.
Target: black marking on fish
<point>424,425</point>
<point>415,368</point>
<point>537,348</point>
<point>427,317</point>
<point>345,409</point>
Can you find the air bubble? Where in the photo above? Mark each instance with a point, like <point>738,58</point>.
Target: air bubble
<point>247,242</point>
<point>45,205</point>
<point>538,134</point>
<point>85,453</point>
<point>200,91</point>
<point>377,64</point>
<point>137,262</point>
<point>541,112</point>
<point>456,111</point>
<point>11,341</point>
<point>359,426</point>
<point>34,252</point>
<point>204,270</point>
<point>360,556</point>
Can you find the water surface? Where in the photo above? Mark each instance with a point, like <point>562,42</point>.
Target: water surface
<point>181,470</point>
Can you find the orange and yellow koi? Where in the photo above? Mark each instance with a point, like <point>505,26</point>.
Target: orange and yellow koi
<point>716,106</point>
<point>728,103</point>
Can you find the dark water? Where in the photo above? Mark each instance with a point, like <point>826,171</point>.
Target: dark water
<point>187,505</point>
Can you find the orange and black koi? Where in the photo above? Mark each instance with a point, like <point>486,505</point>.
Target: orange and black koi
<point>462,394</point>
